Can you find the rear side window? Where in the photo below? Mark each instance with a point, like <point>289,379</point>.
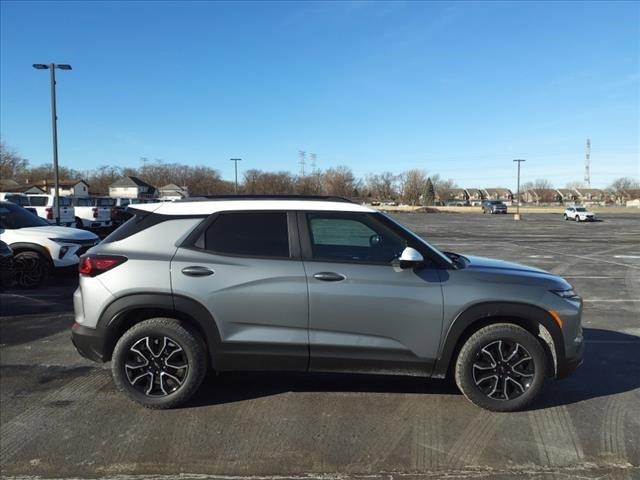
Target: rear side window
<point>38,201</point>
<point>251,234</point>
<point>106,202</point>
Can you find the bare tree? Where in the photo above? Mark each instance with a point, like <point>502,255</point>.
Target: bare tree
<point>12,165</point>
<point>624,183</point>
<point>340,181</point>
<point>413,183</point>
<point>257,182</point>
<point>543,189</point>
<point>383,186</point>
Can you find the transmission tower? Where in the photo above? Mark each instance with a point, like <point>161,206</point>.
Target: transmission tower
<point>303,155</point>
<point>313,162</point>
<point>587,165</point>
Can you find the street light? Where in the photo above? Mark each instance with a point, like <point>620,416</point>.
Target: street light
<point>517,215</point>
<point>236,160</point>
<point>54,126</point>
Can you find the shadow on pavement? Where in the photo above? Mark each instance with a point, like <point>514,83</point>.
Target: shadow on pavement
<point>611,366</point>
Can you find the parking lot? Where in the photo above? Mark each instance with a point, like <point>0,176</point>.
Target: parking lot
<point>61,416</point>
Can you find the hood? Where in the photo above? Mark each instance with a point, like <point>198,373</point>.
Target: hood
<point>500,266</point>
<point>54,231</point>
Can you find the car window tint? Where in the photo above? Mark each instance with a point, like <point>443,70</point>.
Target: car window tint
<point>352,238</point>
<point>38,201</point>
<point>251,234</point>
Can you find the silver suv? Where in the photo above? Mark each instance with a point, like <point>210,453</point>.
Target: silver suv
<point>313,284</point>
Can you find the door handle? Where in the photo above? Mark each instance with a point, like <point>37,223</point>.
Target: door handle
<point>329,276</point>
<point>196,271</point>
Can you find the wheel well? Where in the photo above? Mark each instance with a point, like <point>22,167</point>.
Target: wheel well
<point>28,247</point>
<point>535,328</point>
<point>128,319</point>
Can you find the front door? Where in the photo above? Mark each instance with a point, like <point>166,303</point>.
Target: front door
<point>245,269</point>
<point>365,314</point>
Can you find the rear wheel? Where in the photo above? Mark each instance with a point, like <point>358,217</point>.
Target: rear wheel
<point>159,363</point>
<point>565,217</point>
<point>30,269</point>
<point>577,218</point>
<point>501,368</point>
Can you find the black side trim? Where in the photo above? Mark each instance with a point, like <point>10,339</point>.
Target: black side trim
<point>530,315</point>
<point>89,342</point>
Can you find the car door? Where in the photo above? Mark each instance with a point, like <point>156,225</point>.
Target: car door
<point>245,268</point>
<point>364,313</point>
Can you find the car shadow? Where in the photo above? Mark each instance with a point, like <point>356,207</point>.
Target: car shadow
<point>611,366</point>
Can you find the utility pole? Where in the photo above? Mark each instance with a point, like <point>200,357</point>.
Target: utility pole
<point>517,215</point>
<point>235,161</point>
<point>302,161</point>
<point>54,127</point>
<point>587,165</point>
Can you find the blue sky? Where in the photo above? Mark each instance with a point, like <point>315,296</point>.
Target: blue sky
<point>458,89</point>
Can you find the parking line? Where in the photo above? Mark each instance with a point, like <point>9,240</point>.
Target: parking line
<point>621,300</point>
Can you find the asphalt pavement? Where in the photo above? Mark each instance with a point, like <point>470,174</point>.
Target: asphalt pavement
<point>60,415</point>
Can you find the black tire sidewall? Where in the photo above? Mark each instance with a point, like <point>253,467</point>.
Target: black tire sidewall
<point>464,363</point>
<point>188,341</point>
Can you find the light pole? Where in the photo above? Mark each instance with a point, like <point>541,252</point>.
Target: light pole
<point>236,160</point>
<point>54,127</point>
<point>517,215</point>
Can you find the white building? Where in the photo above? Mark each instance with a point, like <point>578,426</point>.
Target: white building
<point>131,187</point>
<point>68,188</point>
<point>172,192</point>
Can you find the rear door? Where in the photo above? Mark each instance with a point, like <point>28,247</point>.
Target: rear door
<point>245,268</point>
<point>364,313</point>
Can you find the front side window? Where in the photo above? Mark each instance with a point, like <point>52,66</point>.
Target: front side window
<point>352,237</point>
<point>250,234</point>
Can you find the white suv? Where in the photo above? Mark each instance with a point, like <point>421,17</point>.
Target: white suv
<point>38,246</point>
<point>579,214</point>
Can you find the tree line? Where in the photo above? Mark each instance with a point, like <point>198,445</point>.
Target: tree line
<point>412,187</point>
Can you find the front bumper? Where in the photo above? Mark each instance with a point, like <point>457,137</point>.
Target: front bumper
<point>89,342</point>
<point>571,364</point>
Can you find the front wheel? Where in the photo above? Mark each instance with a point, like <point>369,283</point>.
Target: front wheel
<point>159,363</point>
<point>577,218</point>
<point>501,368</point>
<point>565,217</point>
<point>30,269</point>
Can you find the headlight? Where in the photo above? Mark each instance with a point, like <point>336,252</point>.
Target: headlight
<point>568,294</point>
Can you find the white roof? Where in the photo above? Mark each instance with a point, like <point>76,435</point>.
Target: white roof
<point>204,207</point>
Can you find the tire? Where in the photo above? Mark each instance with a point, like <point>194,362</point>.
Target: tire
<point>30,269</point>
<point>576,218</point>
<point>79,223</point>
<point>565,217</point>
<point>181,359</point>
<point>525,365</point>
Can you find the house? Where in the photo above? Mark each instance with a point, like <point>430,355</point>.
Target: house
<point>541,195</point>
<point>474,195</point>
<point>68,188</point>
<point>454,196</point>
<point>173,192</point>
<point>131,187</point>
<point>503,194</point>
<point>631,197</point>
<point>568,195</point>
<point>15,187</point>
<point>593,196</point>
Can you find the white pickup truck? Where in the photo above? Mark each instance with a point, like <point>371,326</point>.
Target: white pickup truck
<point>93,212</point>
<point>44,206</point>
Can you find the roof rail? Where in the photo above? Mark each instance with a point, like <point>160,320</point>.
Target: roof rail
<point>321,198</point>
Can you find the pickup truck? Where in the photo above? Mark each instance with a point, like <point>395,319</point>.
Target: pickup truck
<point>92,212</point>
<point>43,205</point>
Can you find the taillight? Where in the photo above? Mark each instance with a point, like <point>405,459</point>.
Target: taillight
<point>49,213</point>
<point>95,212</point>
<point>92,265</point>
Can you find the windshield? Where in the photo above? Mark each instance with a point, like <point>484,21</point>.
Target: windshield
<point>421,240</point>
<point>13,216</point>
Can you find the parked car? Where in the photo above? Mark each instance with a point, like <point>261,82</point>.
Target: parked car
<point>44,206</point>
<point>93,212</point>
<point>39,246</point>
<point>579,214</point>
<point>19,199</point>
<point>119,213</point>
<point>310,284</point>
<point>493,206</point>
<point>6,266</point>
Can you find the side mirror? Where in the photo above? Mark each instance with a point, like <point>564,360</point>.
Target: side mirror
<point>410,258</point>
